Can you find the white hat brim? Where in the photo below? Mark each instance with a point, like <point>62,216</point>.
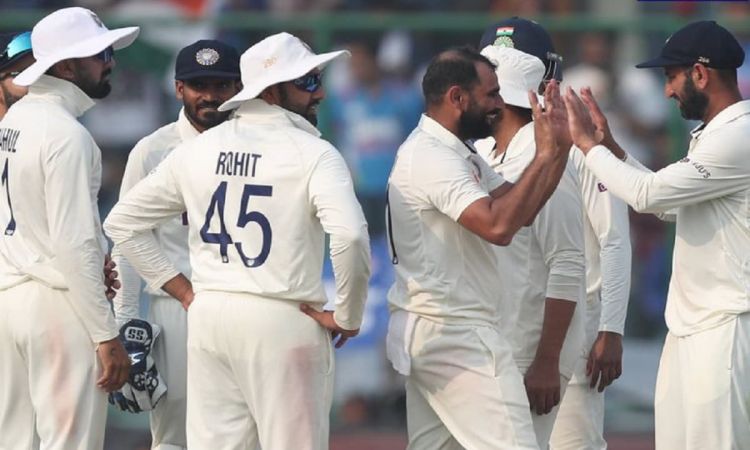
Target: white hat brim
<point>252,90</point>
<point>118,38</point>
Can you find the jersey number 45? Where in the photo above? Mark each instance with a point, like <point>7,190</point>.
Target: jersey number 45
<point>223,239</point>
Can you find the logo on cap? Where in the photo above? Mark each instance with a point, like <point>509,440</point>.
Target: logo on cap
<point>207,57</point>
<point>268,62</point>
<point>504,41</point>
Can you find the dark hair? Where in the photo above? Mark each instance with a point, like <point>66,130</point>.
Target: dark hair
<point>452,67</point>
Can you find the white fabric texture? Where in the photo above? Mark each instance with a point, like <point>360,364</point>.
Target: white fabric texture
<point>544,260</point>
<point>702,389</point>
<point>48,368</point>
<point>260,373</point>
<point>444,271</point>
<point>464,390</point>
<point>709,190</point>
<point>281,157</point>
<point>52,179</point>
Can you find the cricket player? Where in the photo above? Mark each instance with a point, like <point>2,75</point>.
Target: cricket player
<point>446,209</point>
<point>542,270</point>
<point>702,385</point>
<point>60,351</point>
<point>16,57</point>
<point>207,74</point>
<point>261,191</point>
<point>580,419</point>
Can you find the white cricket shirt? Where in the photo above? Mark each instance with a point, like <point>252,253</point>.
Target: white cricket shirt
<point>261,190</point>
<point>172,235</point>
<point>544,260</point>
<point>709,190</point>
<point>49,219</point>
<point>608,252</point>
<point>445,272</point>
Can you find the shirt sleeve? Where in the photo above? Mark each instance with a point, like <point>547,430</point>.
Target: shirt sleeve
<point>74,232</point>
<point>714,169</point>
<point>130,224</point>
<point>126,301</point>
<point>451,183</point>
<point>332,196</point>
<point>608,216</point>
<point>559,230</point>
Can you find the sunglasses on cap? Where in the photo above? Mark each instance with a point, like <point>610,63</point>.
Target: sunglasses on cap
<point>310,82</point>
<point>106,55</point>
<point>19,44</point>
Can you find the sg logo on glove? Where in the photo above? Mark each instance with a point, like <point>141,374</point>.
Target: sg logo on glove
<point>145,386</point>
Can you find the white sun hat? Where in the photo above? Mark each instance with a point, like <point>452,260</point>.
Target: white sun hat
<point>71,33</point>
<point>276,59</point>
<point>517,74</point>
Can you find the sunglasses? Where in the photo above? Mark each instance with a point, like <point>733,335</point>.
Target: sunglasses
<point>18,45</point>
<point>310,82</point>
<point>106,55</point>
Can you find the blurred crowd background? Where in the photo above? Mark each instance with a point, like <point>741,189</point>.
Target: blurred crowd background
<point>374,101</point>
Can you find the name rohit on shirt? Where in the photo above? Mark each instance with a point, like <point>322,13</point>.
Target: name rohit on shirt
<point>237,164</point>
<point>8,139</point>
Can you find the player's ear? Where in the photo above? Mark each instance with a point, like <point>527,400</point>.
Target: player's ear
<point>456,97</point>
<point>271,94</point>
<point>179,87</point>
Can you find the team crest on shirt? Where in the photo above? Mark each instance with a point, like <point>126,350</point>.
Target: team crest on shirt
<point>601,187</point>
<point>207,57</point>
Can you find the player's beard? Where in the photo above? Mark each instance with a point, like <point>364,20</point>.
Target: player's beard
<point>205,114</point>
<point>309,110</point>
<point>475,123</point>
<point>692,103</point>
<point>94,88</point>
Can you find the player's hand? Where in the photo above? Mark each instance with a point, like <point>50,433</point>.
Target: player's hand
<point>603,133</point>
<point>542,382</point>
<point>115,364</point>
<point>325,319</point>
<point>551,131</point>
<point>605,360</point>
<point>582,128</point>
<point>111,283</point>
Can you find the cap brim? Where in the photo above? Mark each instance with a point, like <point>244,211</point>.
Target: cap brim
<point>661,62</point>
<point>208,74</point>
<point>252,90</point>
<point>118,38</point>
<point>518,98</point>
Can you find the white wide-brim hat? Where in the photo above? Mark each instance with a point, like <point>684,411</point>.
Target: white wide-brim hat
<point>276,59</point>
<point>517,74</point>
<point>71,33</point>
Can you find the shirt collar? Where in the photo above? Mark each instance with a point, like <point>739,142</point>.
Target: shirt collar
<point>185,128</point>
<point>726,115</point>
<point>62,92</point>
<point>258,111</point>
<point>433,128</point>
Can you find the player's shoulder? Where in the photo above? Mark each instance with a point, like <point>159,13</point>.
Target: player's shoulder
<point>163,139</point>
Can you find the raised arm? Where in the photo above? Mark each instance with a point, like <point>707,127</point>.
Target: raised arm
<point>497,218</point>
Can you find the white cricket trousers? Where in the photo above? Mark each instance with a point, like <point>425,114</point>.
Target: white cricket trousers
<point>260,374</point>
<point>544,423</point>
<point>703,389</point>
<point>170,357</point>
<point>48,373</point>
<point>580,418</point>
<point>465,391</point>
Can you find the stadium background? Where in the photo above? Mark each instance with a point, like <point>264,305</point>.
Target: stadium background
<point>373,103</point>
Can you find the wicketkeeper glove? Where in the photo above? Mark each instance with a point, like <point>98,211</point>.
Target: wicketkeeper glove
<point>145,386</point>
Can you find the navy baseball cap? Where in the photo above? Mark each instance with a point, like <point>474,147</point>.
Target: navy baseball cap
<point>14,46</point>
<point>704,42</point>
<point>207,58</point>
<point>527,36</point>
